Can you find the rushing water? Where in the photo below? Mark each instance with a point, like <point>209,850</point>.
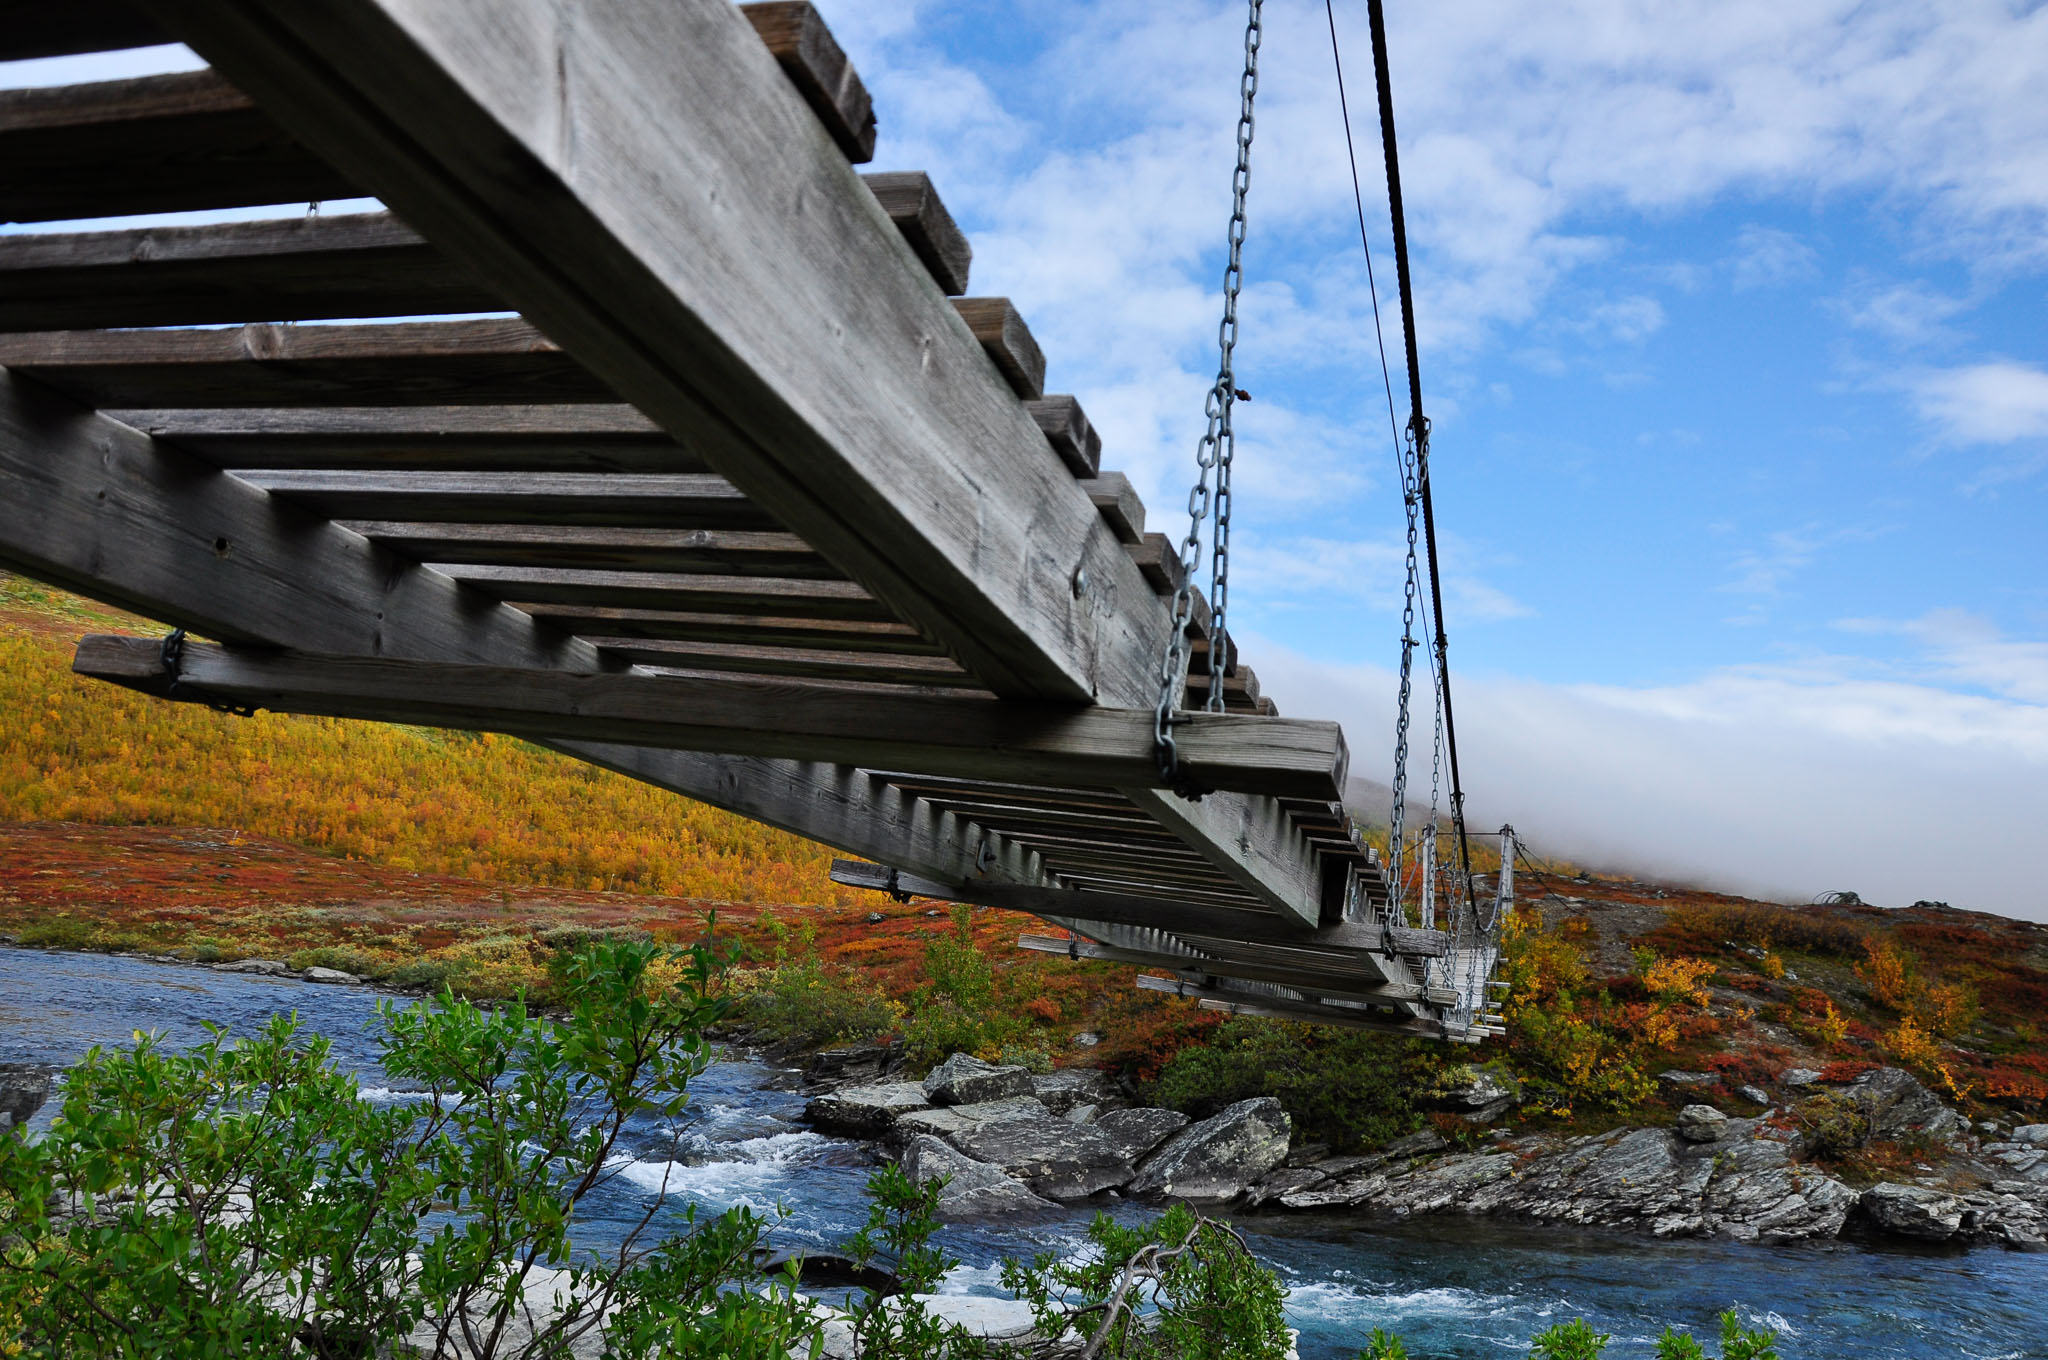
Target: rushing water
<point>1452,1287</point>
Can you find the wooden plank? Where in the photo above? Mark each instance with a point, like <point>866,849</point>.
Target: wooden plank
<point>1159,562</point>
<point>647,625</point>
<point>616,499</point>
<point>817,66</point>
<point>1002,334</point>
<point>1253,842</point>
<point>1357,985</point>
<point>1068,430</point>
<point>795,662</point>
<point>287,269</point>
<point>1221,998</point>
<point>714,552</point>
<point>592,437</point>
<point>36,28</point>
<point>1117,502</point>
<point>775,596</point>
<point>169,143</point>
<point>914,206</point>
<point>995,738</point>
<point>419,363</point>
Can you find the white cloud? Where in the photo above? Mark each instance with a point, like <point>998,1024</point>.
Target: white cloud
<point>1988,403</point>
<point>1766,257</point>
<point>1968,650</point>
<point>1910,314</point>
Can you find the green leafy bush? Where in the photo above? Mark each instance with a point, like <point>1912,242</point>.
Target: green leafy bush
<point>1736,1343</point>
<point>1831,1126</point>
<point>956,1010</point>
<point>345,958</point>
<point>804,1001</point>
<point>1342,1087</point>
<point>1574,1340</point>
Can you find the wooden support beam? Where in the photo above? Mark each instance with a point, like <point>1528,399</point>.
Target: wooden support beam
<point>1220,997</point>
<point>591,437</point>
<point>1116,500</point>
<point>34,28</point>
<point>812,58</point>
<point>287,269</point>
<point>622,627</point>
<point>993,738</point>
<point>1159,561</point>
<point>914,206</point>
<point>1068,430</point>
<point>630,500</point>
<point>1002,334</point>
<point>795,662</point>
<point>775,596</point>
<point>1355,985</point>
<point>419,363</point>
<point>713,552</point>
<point>170,143</point>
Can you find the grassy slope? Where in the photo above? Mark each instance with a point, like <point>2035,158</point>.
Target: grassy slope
<point>391,849</point>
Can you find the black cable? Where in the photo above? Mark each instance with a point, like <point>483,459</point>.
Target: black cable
<point>1358,200</point>
<point>1418,424</point>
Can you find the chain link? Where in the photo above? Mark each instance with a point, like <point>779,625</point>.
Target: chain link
<point>1411,494</point>
<point>1215,452</point>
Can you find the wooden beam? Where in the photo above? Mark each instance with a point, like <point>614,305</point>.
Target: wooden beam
<point>419,363</point>
<point>1220,997</point>
<point>591,437</point>
<point>35,29</point>
<point>1007,341</point>
<point>812,58</point>
<point>1159,560</point>
<point>1068,430</point>
<point>794,662</point>
<point>716,552</point>
<point>1357,985</point>
<point>170,143</point>
<point>992,738</point>
<point>623,500</point>
<point>288,269</point>
<point>775,596</point>
<point>625,627</point>
<point>914,206</point>
<point>1116,500</point>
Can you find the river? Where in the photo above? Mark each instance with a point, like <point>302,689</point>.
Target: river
<point>1451,1287</point>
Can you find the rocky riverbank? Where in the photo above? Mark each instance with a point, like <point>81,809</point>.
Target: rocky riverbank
<point>1010,1142</point>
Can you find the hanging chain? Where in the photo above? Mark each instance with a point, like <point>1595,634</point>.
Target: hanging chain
<point>1215,452</point>
<point>1411,493</point>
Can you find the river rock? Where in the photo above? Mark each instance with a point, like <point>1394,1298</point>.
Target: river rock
<point>1420,1143</point>
<point>1799,1076</point>
<point>330,975</point>
<point>946,1122</point>
<point>1481,1093</point>
<point>1913,1211</point>
<point>1057,1159</point>
<point>867,1063</point>
<point>1137,1132</point>
<point>1677,1080</point>
<point>266,967</point>
<point>1899,1107</point>
<point>24,1087</point>
<point>973,1189</point>
<point>2036,1134</point>
<point>1701,1124</point>
<point>1071,1086</point>
<point>866,1111</point>
<point>964,1079</point>
<point>1219,1157</point>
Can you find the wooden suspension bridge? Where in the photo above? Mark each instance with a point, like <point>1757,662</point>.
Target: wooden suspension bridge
<point>657,434</point>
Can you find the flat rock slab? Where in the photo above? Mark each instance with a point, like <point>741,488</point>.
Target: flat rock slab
<point>973,1189</point>
<point>1137,1132</point>
<point>866,1111</point>
<point>1220,1157</point>
<point>330,975</point>
<point>1913,1211</point>
<point>949,1122</point>
<point>1070,1087</point>
<point>266,967</point>
<point>964,1079</point>
<point>1056,1158</point>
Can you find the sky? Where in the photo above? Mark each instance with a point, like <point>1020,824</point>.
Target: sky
<point>1732,339</point>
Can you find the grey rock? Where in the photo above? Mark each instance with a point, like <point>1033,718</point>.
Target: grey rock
<point>1701,1124</point>
<point>973,1189</point>
<point>1288,1180</point>
<point>1799,1076</point>
<point>1070,1086</point>
<point>1420,1143</point>
<point>1913,1211</point>
<point>1679,1079</point>
<point>857,1062</point>
<point>964,1079</point>
<point>266,967</point>
<point>24,1087</point>
<point>1056,1159</point>
<point>1481,1093</point>
<point>1136,1132</point>
<point>1755,1095</point>
<point>949,1121</point>
<point>1898,1107</point>
<point>2036,1134</point>
<point>1087,1039</point>
<point>1082,1114</point>
<point>866,1111</point>
<point>330,975</point>
<point>1217,1158</point>
<point>1306,1154</point>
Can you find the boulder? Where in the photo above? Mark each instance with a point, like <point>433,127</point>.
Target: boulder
<point>1899,1107</point>
<point>1755,1095</point>
<point>1799,1076</point>
<point>856,1062</point>
<point>330,975</point>
<point>2035,1135</point>
<point>973,1189</point>
<point>1701,1124</point>
<point>1676,1080</point>
<point>945,1123</point>
<point>1479,1092</point>
<point>866,1111</point>
<point>1913,1211</point>
<point>1082,1114</point>
<point>1420,1143</point>
<point>1071,1086</point>
<point>964,1079</point>
<point>1137,1132</point>
<point>23,1089</point>
<point>266,967</point>
<point>1217,1158</point>
<point>1057,1159</point>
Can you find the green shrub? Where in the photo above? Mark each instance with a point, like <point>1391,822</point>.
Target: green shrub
<point>1736,1343</point>
<point>1574,1340</point>
<point>1342,1087</point>
<point>1831,1126</point>
<point>345,958</point>
<point>804,1002</point>
<point>956,1010</point>
<point>1383,1345</point>
<point>426,974</point>
<point>59,932</point>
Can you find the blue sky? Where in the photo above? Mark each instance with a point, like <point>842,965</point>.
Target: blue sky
<point>1732,336</point>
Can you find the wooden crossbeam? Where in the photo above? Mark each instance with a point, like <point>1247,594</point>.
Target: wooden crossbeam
<point>1219,997</point>
<point>1331,980</point>
<point>288,269</point>
<point>490,362</point>
<point>1002,739</point>
<point>625,628</point>
<point>706,594</point>
<point>622,500</point>
<point>170,143</point>
<point>914,206</point>
<point>585,437</point>
<point>817,66</point>
<point>716,552</point>
<point>1005,338</point>
<point>1068,430</point>
<point>798,662</point>
<point>1117,501</point>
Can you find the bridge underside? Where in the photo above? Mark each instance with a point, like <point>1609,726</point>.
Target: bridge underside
<point>686,458</point>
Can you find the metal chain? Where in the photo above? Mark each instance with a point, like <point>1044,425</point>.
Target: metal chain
<point>1215,452</point>
<point>1411,493</point>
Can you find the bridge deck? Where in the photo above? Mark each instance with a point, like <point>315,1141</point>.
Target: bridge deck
<point>655,433</point>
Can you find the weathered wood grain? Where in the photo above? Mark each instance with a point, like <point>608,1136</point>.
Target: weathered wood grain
<point>170,143</point>
<point>794,662</point>
<point>992,738</point>
<point>1220,997</point>
<point>1068,430</point>
<point>1159,560</point>
<point>288,269</point>
<point>815,63</point>
<point>713,552</point>
<point>1357,984</point>
<point>1117,501</point>
<point>708,594</point>
<point>1002,334</point>
<point>914,206</point>
<point>624,500</point>
<point>619,627</point>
